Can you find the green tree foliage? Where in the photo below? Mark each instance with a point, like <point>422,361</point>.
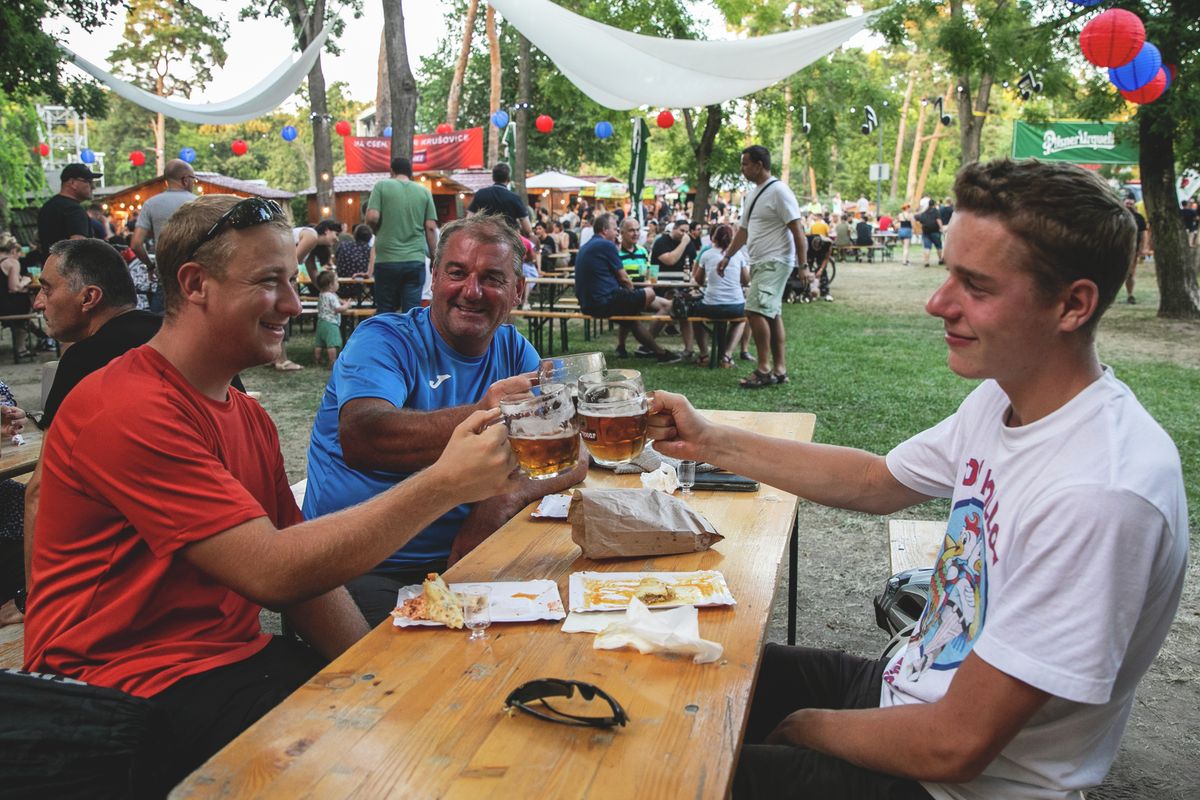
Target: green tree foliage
<point>31,66</point>
<point>20,164</point>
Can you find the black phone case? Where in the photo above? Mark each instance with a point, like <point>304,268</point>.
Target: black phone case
<point>725,482</point>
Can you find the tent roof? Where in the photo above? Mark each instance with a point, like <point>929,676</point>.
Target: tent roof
<point>556,180</point>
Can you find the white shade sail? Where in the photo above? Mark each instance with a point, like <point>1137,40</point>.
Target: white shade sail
<point>623,70</point>
<point>262,98</point>
<point>556,180</point>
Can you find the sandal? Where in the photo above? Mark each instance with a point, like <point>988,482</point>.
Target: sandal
<point>726,362</point>
<point>779,379</point>
<point>745,356</point>
<point>288,366</point>
<point>757,380</point>
<point>702,361</point>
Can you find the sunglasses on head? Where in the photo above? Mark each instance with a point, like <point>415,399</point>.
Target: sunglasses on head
<point>242,214</point>
<point>542,688</point>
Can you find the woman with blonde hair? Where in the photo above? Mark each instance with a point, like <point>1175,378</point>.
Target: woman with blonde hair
<point>14,299</point>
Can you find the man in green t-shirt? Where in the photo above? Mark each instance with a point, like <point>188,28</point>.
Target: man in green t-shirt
<point>402,215</point>
<point>636,262</point>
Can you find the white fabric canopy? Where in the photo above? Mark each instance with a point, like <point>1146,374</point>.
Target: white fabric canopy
<point>623,70</point>
<point>262,98</point>
<point>556,180</point>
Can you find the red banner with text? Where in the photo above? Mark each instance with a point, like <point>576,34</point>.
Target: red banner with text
<point>440,151</point>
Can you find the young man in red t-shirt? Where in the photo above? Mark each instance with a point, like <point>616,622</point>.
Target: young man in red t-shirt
<point>164,503</point>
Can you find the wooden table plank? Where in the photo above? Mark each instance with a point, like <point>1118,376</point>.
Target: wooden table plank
<point>418,712</point>
<point>18,459</point>
<point>914,542</point>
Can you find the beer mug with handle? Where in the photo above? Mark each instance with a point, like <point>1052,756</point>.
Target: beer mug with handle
<point>542,430</point>
<point>613,412</point>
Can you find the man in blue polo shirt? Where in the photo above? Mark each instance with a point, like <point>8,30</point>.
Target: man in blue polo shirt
<point>402,384</point>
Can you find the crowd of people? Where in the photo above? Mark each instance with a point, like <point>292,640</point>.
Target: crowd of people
<point>160,521</point>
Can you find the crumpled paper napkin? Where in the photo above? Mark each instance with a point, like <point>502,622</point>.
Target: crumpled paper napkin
<point>665,478</point>
<point>674,631</point>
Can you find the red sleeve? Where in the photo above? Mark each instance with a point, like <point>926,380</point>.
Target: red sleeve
<point>161,471</point>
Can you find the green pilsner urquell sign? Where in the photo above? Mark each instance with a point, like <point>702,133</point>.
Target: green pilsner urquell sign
<point>1076,142</point>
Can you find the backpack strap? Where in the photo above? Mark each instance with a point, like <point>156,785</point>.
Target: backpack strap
<point>746,222</point>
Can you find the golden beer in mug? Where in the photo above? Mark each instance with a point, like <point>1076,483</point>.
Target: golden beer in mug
<point>613,414</point>
<point>542,430</point>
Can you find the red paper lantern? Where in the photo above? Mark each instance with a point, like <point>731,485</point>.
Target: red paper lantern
<point>445,127</point>
<point>137,158</point>
<point>1113,38</point>
<point>665,119</point>
<point>43,149</point>
<point>544,123</point>
<point>343,127</point>
<point>1150,92</point>
<point>239,147</point>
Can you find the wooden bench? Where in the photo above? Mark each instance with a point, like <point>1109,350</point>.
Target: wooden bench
<point>914,543</point>
<point>538,320</point>
<point>841,250</point>
<point>18,318</point>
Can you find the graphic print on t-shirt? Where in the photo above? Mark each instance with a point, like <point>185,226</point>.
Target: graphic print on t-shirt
<point>954,617</point>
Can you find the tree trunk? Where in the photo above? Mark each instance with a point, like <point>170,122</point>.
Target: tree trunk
<point>1174,261</point>
<point>493,38</point>
<point>972,116</point>
<point>460,66</point>
<point>160,143</point>
<point>524,83</point>
<point>785,161</point>
<point>702,149</point>
<point>914,159</point>
<point>938,131</point>
<point>383,92</point>
<point>402,84</point>
<point>908,92</point>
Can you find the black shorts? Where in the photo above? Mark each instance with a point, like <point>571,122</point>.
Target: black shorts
<point>623,302</point>
<point>204,712</point>
<point>791,678</point>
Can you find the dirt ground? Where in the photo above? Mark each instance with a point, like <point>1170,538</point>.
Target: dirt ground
<point>843,555</point>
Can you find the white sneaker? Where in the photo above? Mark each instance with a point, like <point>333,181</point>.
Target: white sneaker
<point>828,298</point>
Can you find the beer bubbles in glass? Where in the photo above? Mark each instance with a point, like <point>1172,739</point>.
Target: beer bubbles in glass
<point>542,430</point>
<point>613,412</point>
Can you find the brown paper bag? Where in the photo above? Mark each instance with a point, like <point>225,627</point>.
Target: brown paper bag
<point>615,523</point>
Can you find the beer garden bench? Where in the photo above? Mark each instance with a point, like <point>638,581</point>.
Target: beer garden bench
<point>538,321</point>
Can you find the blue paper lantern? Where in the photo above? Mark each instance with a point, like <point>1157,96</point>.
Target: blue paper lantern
<point>500,119</point>
<point>289,132</point>
<point>604,129</point>
<point>388,131</point>
<point>1137,73</point>
<point>87,156</point>
<point>187,154</point>
<point>1087,3</point>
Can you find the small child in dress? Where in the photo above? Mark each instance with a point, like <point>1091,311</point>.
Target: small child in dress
<point>329,318</point>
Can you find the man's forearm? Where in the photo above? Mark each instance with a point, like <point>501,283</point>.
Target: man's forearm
<point>880,739</point>
<point>739,239</point>
<point>331,622</point>
<point>33,491</point>
<point>841,477</point>
<point>490,515</point>
<point>383,437</point>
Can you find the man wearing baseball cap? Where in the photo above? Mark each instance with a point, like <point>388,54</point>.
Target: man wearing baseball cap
<point>62,216</point>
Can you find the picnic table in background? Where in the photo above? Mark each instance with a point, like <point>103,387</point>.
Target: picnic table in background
<point>418,712</point>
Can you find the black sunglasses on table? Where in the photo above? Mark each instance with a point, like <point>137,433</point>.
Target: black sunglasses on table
<point>539,690</point>
<point>242,214</point>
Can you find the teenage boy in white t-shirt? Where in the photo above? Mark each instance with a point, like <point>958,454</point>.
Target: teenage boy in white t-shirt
<point>1065,549</point>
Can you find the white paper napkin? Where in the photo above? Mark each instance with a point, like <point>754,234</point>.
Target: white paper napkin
<point>665,479</point>
<point>674,631</point>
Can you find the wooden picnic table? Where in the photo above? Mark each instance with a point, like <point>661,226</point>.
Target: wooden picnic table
<point>19,459</point>
<point>367,289</point>
<point>418,712</point>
